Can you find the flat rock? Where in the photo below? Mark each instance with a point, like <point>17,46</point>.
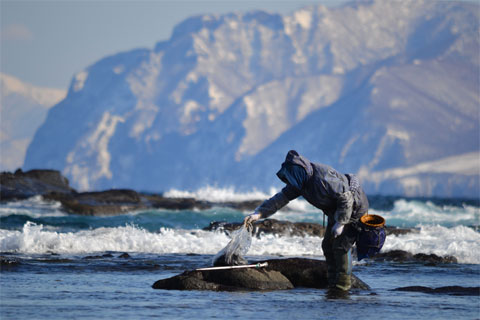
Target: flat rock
<point>404,256</point>
<point>119,201</point>
<point>450,290</point>
<point>308,273</point>
<point>226,280</point>
<point>281,274</point>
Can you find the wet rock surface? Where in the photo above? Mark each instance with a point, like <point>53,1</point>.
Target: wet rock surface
<point>226,280</point>
<point>404,256</point>
<point>7,263</point>
<point>308,273</point>
<point>281,274</point>
<point>449,290</point>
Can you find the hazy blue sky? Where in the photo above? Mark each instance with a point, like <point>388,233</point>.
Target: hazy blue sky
<point>46,42</point>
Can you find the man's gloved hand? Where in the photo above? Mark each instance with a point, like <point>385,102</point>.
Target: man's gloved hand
<point>337,229</point>
<point>251,218</point>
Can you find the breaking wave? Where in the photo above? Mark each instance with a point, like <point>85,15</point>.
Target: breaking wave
<point>461,242</point>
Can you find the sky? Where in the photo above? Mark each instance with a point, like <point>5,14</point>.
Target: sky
<point>45,43</point>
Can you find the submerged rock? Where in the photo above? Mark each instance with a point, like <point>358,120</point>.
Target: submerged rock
<point>404,256</point>
<point>450,290</point>
<point>281,274</point>
<point>7,263</point>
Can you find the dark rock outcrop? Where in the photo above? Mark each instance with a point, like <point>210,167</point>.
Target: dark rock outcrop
<point>280,274</point>
<point>226,280</point>
<point>272,226</point>
<point>53,186</point>
<point>404,256</point>
<point>22,185</point>
<point>308,273</point>
<point>111,202</point>
<point>7,263</point>
<point>450,290</point>
<point>287,228</point>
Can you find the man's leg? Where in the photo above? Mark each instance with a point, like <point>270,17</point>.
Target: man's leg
<point>327,247</point>
<point>342,252</point>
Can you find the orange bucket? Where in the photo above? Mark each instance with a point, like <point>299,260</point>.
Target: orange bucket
<point>372,220</point>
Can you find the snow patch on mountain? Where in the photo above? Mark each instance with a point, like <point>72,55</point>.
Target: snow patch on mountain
<point>95,145</point>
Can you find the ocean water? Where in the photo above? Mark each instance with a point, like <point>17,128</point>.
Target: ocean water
<point>57,265</point>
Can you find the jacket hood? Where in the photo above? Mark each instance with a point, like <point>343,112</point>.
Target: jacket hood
<point>295,170</point>
<point>294,158</point>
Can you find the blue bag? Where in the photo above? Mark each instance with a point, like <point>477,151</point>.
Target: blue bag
<point>371,237</point>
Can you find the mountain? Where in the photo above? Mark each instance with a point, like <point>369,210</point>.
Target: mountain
<point>384,89</point>
<point>23,109</point>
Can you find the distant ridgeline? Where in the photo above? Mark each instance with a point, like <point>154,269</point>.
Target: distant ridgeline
<point>384,89</point>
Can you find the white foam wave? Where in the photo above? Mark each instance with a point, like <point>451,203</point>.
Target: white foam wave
<point>34,207</point>
<point>213,194</point>
<point>461,242</point>
<point>416,213</point>
<point>35,238</point>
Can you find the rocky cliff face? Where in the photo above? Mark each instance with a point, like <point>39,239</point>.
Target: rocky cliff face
<point>385,89</point>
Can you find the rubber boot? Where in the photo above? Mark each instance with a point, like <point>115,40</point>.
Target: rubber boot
<point>343,262</point>
<point>344,282</point>
<point>331,272</point>
<point>329,257</point>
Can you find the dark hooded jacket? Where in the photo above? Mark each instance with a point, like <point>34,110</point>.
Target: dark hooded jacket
<point>322,186</point>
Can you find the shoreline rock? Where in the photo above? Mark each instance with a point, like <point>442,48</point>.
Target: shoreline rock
<point>51,185</point>
<point>288,228</point>
<point>22,185</point>
<point>404,256</point>
<point>450,290</point>
<point>281,274</point>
